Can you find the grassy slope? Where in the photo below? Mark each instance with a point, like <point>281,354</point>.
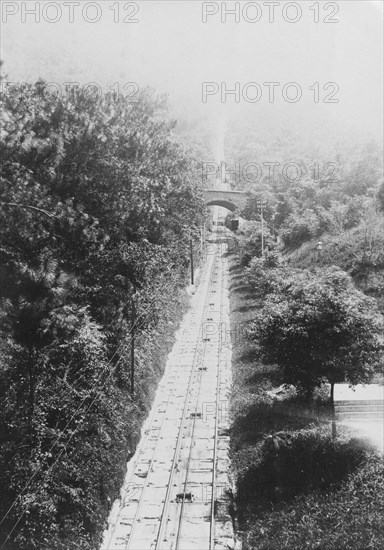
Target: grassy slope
<point>326,520</point>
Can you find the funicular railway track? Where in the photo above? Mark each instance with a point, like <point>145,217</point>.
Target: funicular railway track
<point>169,495</point>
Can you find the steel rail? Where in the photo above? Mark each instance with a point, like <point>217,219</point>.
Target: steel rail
<point>145,482</point>
<point>164,514</point>
<point>214,470</point>
<point>181,517</point>
<point>139,448</point>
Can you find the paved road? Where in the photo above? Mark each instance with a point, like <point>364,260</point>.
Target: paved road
<point>175,491</point>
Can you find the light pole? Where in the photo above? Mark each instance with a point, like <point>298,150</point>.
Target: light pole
<point>261,204</point>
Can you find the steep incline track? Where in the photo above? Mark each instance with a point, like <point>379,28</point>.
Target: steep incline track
<point>174,495</point>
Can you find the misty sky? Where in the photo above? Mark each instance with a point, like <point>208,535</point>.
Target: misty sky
<point>171,49</point>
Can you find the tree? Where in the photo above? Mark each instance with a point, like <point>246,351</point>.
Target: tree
<point>267,275</point>
<point>249,241</point>
<point>299,228</point>
<point>319,326</point>
<point>93,195</point>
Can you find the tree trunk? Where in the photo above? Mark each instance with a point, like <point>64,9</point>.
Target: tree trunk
<point>191,253</point>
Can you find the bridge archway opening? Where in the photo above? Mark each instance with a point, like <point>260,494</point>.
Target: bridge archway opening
<point>223,203</point>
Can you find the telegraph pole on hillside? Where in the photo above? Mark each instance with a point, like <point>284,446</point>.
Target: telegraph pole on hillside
<point>261,204</point>
<point>133,321</point>
<point>191,252</point>
<point>202,242</point>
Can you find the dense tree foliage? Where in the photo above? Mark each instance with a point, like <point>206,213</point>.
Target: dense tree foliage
<point>317,326</point>
<point>248,241</point>
<point>96,199</point>
<point>314,190</point>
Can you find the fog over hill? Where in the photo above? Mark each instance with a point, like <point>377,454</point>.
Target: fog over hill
<point>171,49</point>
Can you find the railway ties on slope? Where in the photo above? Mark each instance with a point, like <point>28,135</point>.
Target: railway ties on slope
<point>171,487</point>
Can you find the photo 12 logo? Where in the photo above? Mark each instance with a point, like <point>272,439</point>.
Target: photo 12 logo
<point>226,335</point>
<point>211,410</point>
<point>129,90</point>
<point>271,172</point>
<point>254,12</point>
<point>271,92</point>
<point>206,492</point>
<point>70,12</point>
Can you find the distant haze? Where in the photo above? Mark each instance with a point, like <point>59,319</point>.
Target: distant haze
<point>172,50</point>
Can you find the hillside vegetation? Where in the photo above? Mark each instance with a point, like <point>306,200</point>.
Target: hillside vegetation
<point>310,317</point>
<point>96,196</point>
<point>333,193</point>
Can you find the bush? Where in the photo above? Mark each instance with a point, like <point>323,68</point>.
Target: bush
<point>349,518</point>
<point>296,463</point>
<point>269,274</point>
<point>249,241</point>
<point>299,228</point>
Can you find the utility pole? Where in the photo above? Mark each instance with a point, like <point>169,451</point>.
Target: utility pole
<point>191,252</point>
<point>189,238</point>
<point>201,241</point>
<point>133,322</point>
<point>260,206</point>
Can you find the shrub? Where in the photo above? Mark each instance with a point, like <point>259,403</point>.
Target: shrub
<point>298,463</point>
<point>349,518</point>
<point>299,228</point>
<point>249,241</point>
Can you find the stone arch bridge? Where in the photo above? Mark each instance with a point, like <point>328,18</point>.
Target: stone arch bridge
<point>227,199</point>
